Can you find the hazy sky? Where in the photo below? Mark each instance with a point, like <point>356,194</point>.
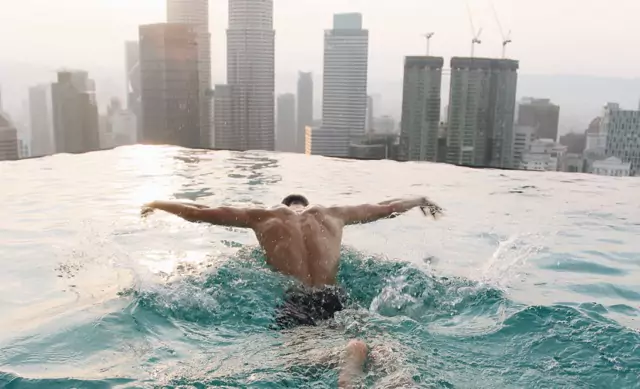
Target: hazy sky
<point>550,36</point>
<point>592,37</point>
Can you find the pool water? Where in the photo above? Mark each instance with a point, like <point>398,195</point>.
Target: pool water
<point>529,281</point>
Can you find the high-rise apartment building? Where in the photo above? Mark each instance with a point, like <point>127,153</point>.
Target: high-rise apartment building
<point>75,113</point>
<point>196,14</point>
<point>305,108</point>
<point>344,88</point>
<point>169,85</point>
<point>482,103</point>
<point>8,139</point>
<point>40,118</point>
<point>622,131</point>
<point>286,123</point>
<point>421,108</point>
<point>250,75</point>
<point>541,115</point>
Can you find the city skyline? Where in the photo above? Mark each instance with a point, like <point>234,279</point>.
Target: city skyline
<point>479,127</point>
<point>299,49</point>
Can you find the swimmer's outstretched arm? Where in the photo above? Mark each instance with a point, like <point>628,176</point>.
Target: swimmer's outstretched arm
<point>367,213</point>
<point>222,216</point>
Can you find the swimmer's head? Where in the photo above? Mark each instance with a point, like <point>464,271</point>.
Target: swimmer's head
<point>295,201</point>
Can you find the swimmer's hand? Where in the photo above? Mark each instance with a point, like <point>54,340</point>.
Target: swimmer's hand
<point>147,210</point>
<point>433,209</point>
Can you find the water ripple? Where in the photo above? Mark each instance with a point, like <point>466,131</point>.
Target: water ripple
<point>529,281</point>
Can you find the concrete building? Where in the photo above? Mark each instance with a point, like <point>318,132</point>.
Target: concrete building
<point>375,147</point>
<point>308,139</point>
<point>118,127</point>
<point>544,155</point>
<point>369,123</point>
<point>421,108</point>
<point>196,14</point>
<point>344,88</point>
<point>286,123</point>
<point>596,137</point>
<point>481,111</point>
<point>40,110</point>
<point>595,145</point>
<point>305,108</point>
<point>132,71</point>
<point>125,127</point>
<point>225,116</point>
<point>574,163</point>
<point>522,138</point>
<point>325,141</point>
<point>613,167</point>
<point>622,129</point>
<point>384,125</point>
<point>23,148</point>
<point>250,72</point>
<point>169,84</point>
<point>540,114</point>
<point>8,139</point>
<point>75,113</point>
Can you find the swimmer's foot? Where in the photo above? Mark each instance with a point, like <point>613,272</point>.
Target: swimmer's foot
<point>351,369</point>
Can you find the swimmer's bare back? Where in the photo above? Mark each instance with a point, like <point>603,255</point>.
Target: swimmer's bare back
<point>299,239</point>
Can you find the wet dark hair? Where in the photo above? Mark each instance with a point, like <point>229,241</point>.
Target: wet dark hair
<point>295,198</point>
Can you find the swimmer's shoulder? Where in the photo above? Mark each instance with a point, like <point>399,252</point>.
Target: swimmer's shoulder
<point>315,208</point>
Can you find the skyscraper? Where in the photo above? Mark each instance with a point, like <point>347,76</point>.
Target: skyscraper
<point>41,126</point>
<point>622,132</point>
<point>225,117</point>
<point>481,111</point>
<point>75,113</point>
<point>196,14</point>
<point>169,85</point>
<point>8,139</point>
<point>132,73</point>
<point>305,108</point>
<point>421,108</point>
<point>344,89</point>
<point>540,114</point>
<point>369,125</point>
<point>286,123</point>
<point>250,74</point>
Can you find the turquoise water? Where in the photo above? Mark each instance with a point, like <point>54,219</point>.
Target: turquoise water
<point>530,281</point>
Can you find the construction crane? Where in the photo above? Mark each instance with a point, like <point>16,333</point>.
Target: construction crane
<point>474,41</point>
<point>506,39</point>
<point>476,36</point>
<point>428,36</point>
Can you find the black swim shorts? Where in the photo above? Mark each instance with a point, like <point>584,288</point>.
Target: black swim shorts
<point>304,306</point>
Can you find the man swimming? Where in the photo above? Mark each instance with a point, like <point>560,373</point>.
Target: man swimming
<point>303,241</point>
